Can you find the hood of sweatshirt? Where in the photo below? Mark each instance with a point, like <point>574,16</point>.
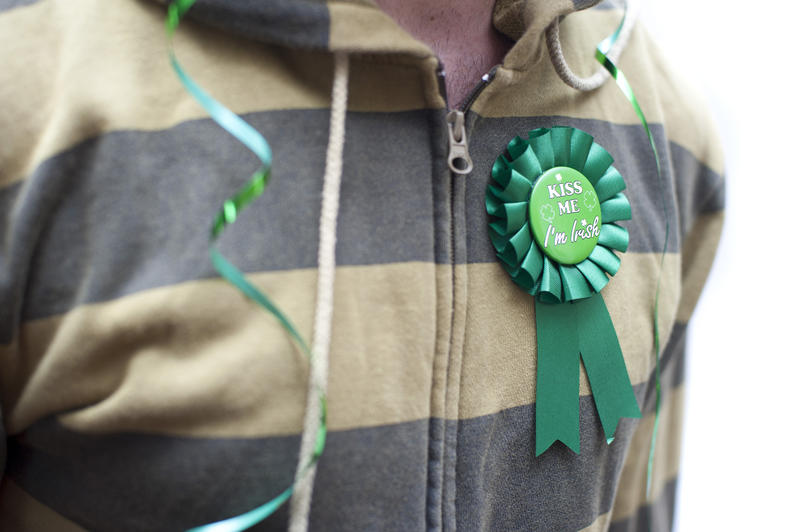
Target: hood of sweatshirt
<point>360,26</point>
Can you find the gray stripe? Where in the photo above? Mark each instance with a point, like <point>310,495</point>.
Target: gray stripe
<point>702,190</point>
<point>131,210</point>
<point>503,487</point>
<point>67,244</point>
<point>369,479</point>
<point>300,23</point>
<point>656,517</point>
<point>6,5</point>
<point>673,361</point>
<point>584,4</point>
<point>151,483</point>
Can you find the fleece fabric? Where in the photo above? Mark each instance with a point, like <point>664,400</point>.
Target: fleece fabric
<point>140,391</point>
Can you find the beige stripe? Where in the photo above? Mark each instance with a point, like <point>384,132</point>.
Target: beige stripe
<point>359,27</point>
<point>499,367</point>
<point>101,65</point>
<point>444,323</point>
<point>456,350</point>
<point>197,359</point>
<point>19,512</point>
<point>699,249</point>
<point>663,96</point>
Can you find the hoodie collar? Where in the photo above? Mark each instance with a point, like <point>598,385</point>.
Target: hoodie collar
<point>359,26</point>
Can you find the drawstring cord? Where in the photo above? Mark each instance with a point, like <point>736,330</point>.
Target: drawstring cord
<point>601,74</point>
<point>314,426</point>
<point>326,254</point>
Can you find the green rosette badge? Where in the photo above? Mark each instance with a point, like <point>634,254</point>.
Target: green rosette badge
<point>554,207</point>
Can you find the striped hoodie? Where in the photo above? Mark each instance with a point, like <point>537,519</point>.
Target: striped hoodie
<point>140,391</point>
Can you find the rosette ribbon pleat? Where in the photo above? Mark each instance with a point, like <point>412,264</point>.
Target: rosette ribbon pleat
<point>572,321</point>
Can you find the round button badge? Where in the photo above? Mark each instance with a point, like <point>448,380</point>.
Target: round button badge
<point>565,215</point>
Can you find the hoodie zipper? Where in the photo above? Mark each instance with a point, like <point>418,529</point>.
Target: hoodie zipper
<point>460,164</point>
<point>458,158</point>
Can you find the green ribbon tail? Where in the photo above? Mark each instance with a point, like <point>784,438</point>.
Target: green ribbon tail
<point>605,366</point>
<point>557,374</point>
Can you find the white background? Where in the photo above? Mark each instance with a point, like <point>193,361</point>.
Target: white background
<point>740,467</point>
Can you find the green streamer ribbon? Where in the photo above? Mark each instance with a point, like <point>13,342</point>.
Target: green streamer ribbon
<point>226,216</point>
<point>572,321</point>
<point>601,55</point>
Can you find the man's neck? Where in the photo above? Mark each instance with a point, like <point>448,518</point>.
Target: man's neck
<point>461,34</point>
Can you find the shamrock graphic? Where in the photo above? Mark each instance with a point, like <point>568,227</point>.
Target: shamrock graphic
<point>589,199</point>
<point>548,212</point>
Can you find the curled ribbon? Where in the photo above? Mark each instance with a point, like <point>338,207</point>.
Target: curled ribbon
<point>601,55</point>
<point>572,321</point>
<point>226,216</point>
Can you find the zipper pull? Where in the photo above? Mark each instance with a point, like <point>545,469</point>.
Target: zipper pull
<point>458,158</point>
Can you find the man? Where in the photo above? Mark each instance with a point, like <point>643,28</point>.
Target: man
<point>142,392</point>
